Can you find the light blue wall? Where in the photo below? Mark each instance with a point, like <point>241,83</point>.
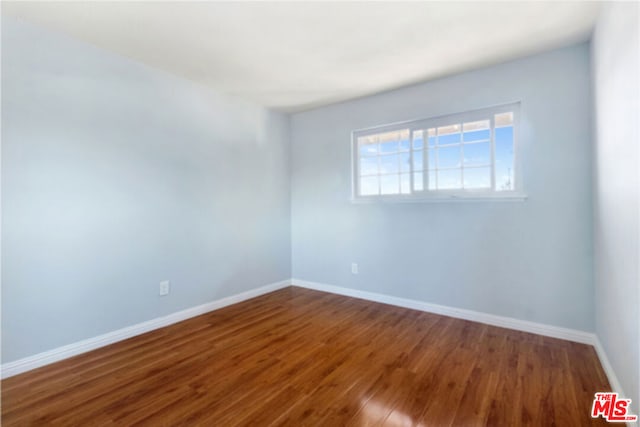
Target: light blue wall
<point>116,176</point>
<point>616,74</point>
<point>529,260</point>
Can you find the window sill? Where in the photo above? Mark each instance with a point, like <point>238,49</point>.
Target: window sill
<point>450,198</point>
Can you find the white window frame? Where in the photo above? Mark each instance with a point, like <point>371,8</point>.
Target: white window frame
<point>445,195</point>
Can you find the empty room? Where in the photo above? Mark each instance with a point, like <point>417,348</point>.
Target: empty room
<point>320,213</point>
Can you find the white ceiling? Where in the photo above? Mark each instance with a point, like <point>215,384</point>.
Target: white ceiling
<point>294,56</point>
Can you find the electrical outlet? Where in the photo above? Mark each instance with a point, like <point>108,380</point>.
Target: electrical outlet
<point>164,288</point>
<point>354,268</point>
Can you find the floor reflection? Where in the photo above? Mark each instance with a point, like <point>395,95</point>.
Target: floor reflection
<point>374,412</point>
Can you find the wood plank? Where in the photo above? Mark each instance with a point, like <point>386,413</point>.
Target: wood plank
<point>303,357</point>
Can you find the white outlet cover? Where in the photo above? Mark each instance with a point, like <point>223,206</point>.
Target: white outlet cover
<point>164,287</point>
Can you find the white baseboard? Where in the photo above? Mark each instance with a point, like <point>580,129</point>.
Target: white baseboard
<point>460,313</point>
<point>64,352</point>
<point>476,316</point>
<point>613,378</point>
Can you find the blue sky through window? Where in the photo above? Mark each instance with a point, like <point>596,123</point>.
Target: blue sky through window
<point>457,157</point>
<point>504,158</point>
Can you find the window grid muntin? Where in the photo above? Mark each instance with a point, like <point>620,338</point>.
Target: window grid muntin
<point>458,120</point>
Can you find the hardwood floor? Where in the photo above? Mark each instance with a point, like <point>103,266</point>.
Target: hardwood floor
<point>299,357</point>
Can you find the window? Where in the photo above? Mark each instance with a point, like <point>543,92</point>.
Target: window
<point>467,155</point>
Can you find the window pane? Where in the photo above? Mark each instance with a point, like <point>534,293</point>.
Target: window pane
<point>368,165</point>
<point>477,178</point>
<point>504,135</point>
<point>389,147</point>
<point>446,130</point>
<point>477,135</point>
<point>432,137</point>
<point>389,164</point>
<point>432,158</point>
<point>405,161</point>
<point>449,179</point>
<point>477,154</point>
<point>369,186</point>
<point>389,136</point>
<point>504,119</point>
<point>504,179</point>
<point>418,142</point>
<point>404,140</point>
<point>476,131</point>
<point>405,183</point>
<point>389,141</point>
<point>432,181</point>
<point>418,184</point>
<point>389,184</point>
<point>418,163</point>
<point>449,139</point>
<point>473,126</point>
<point>448,134</point>
<point>504,158</point>
<point>449,157</point>
<point>367,149</point>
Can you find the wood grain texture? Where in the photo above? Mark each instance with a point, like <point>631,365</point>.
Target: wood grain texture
<point>298,357</point>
